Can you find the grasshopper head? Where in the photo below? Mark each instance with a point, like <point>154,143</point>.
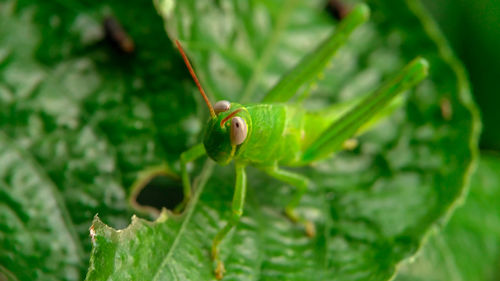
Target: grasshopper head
<point>227,131</point>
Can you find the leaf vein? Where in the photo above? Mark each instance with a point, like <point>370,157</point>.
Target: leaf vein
<point>61,204</point>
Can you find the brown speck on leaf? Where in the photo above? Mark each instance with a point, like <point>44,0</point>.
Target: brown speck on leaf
<point>446,109</point>
<point>118,36</point>
<point>350,144</point>
<point>92,233</point>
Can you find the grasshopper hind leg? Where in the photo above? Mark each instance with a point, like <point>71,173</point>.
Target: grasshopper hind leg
<point>301,183</point>
<point>349,123</point>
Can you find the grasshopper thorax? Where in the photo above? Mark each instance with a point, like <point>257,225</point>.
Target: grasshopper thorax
<point>226,133</point>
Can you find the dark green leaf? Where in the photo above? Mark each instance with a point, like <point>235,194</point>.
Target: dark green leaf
<point>80,120</point>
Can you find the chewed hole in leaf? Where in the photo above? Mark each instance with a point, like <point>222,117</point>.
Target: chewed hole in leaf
<point>160,192</point>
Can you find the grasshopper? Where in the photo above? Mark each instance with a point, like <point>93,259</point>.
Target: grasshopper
<point>274,133</point>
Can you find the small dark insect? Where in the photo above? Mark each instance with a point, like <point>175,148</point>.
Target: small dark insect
<point>117,35</point>
<point>337,9</point>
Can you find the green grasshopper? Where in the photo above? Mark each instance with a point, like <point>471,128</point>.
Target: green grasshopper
<point>273,133</point>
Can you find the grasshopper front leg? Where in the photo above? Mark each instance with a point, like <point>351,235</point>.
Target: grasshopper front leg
<point>301,183</point>
<point>237,210</point>
<point>187,156</point>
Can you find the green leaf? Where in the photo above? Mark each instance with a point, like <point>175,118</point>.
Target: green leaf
<point>468,248</point>
<point>373,206</point>
<point>79,123</point>
<point>28,231</point>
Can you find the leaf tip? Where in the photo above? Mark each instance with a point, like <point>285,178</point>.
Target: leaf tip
<point>97,223</point>
<point>99,228</point>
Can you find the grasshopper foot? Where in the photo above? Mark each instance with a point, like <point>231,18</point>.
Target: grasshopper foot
<point>350,144</point>
<point>309,227</point>
<point>179,208</point>
<point>219,270</point>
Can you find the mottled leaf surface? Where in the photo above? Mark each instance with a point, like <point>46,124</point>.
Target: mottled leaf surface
<point>79,121</point>
<point>372,206</point>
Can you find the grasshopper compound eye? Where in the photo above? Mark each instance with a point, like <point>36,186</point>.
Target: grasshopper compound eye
<point>238,130</point>
<point>222,106</point>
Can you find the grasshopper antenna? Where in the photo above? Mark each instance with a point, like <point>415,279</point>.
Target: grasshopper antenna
<point>188,65</point>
